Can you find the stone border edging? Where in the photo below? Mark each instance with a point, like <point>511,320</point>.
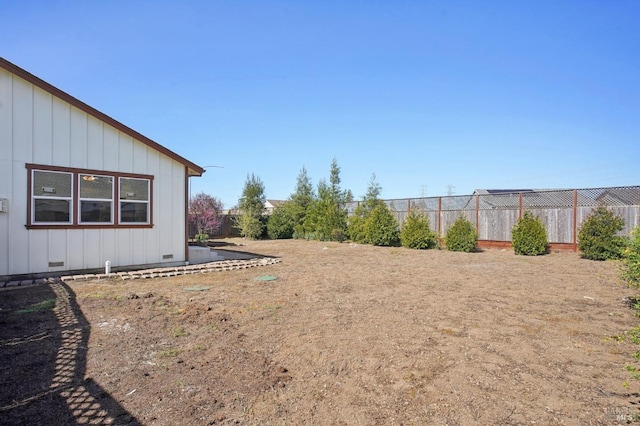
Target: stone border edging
<point>202,268</point>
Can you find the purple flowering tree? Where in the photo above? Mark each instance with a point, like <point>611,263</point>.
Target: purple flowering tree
<point>204,214</point>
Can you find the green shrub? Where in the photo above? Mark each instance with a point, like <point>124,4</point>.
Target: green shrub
<point>250,226</point>
<point>631,259</point>
<point>251,222</point>
<point>597,239</point>
<point>529,236</point>
<point>416,232</point>
<point>325,221</point>
<point>462,236</point>
<point>356,227</point>
<point>381,227</point>
<point>373,223</point>
<point>281,222</point>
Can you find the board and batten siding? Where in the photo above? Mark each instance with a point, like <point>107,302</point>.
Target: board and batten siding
<point>37,127</point>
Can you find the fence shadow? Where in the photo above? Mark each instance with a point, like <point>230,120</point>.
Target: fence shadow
<point>43,342</point>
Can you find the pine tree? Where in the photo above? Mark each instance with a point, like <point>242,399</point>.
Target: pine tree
<point>251,221</point>
<point>326,217</point>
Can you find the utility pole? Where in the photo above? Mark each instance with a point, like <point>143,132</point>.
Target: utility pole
<point>450,189</point>
<point>423,191</point>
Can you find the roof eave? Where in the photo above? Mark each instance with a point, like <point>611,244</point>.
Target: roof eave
<point>192,168</point>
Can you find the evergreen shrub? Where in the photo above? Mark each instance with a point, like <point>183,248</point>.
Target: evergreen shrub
<point>631,259</point>
<point>416,231</point>
<point>597,237</point>
<point>381,227</point>
<point>461,236</point>
<point>281,222</point>
<point>529,236</point>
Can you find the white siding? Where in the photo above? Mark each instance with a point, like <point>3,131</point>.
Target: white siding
<point>96,154</point>
<point>22,125</point>
<point>110,151</point>
<point>6,169</point>
<point>78,138</point>
<point>42,127</point>
<point>61,117</point>
<point>36,127</point>
<point>57,248</point>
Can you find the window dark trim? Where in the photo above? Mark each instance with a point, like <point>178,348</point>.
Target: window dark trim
<point>75,196</point>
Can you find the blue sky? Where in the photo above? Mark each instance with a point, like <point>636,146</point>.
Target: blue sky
<point>425,94</point>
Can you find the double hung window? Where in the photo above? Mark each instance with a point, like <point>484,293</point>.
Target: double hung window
<point>52,195</point>
<point>96,199</point>
<point>134,200</point>
<point>64,197</point>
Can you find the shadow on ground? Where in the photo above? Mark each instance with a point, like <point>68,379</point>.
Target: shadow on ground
<point>43,344</point>
<point>232,251</point>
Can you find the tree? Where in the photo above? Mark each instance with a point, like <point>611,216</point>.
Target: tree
<point>299,202</point>
<point>281,223</point>
<point>358,221</point>
<point>204,213</point>
<point>251,221</point>
<point>303,195</point>
<point>372,221</point>
<point>335,193</point>
<point>287,219</point>
<point>326,216</point>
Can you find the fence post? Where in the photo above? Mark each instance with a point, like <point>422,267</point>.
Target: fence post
<point>519,205</point>
<point>575,220</point>
<point>439,216</point>
<point>478,214</point>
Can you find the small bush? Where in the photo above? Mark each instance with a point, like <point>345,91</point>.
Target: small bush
<point>381,227</point>
<point>529,236</point>
<point>631,259</point>
<point>597,239</point>
<point>373,223</point>
<point>416,232</point>
<point>356,227</point>
<point>462,236</point>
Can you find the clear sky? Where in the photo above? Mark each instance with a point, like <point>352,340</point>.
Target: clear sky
<point>431,96</point>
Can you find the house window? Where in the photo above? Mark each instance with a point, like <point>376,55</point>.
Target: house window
<point>134,200</point>
<point>96,199</point>
<point>52,197</point>
<point>78,198</point>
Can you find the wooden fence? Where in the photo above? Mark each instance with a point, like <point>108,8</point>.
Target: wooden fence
<point>226,229</point>
<point>495,213</point>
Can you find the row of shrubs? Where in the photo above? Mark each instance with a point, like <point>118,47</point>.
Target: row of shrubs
<point>373,223</point>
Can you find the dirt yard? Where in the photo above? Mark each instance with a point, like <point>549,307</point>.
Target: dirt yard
<point>345,334</point>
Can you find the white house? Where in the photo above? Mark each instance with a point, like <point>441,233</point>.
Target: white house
<point>78,188</point>
<point>270,205</point>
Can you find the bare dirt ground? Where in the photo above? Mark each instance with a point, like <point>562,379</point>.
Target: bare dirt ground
<point>346,334</point>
